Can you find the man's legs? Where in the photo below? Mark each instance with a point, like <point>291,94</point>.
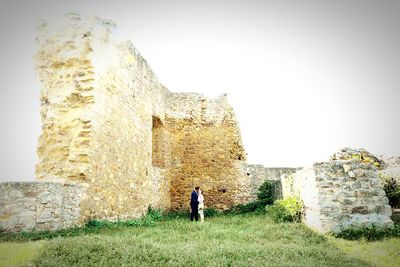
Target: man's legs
<point>194,213</point>
<point>191,215</point>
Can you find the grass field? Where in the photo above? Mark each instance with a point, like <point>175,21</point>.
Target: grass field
<point>240,240</point>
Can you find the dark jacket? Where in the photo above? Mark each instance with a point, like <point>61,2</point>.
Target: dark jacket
<point>194,200</point>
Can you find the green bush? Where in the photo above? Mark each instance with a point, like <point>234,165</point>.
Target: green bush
<point>209,212</point>
<point>294,206</point>
<point>286,210</point>
<point>154,214</point>
<point>278,213</point>
<point>149,219</point>
<point>265,197</point>
<point>370,233</point>
<point>255,206</point>
<point>266,193</point>
<point>392,190</point>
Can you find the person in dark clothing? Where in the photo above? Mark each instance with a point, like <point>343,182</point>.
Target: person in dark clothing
<point>194,204</point>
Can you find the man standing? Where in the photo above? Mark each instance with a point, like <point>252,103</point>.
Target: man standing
<point>194,204</point>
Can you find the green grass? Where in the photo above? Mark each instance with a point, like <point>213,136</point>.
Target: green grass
<point>379,253</point>
<point>34,236</point>
<point>370,233</point>
<point>229,240</point>
<point>16,254</point>
<point>94,226</point>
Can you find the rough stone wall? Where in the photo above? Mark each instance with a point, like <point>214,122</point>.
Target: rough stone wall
<point>65,69</point>
<point>126,143</point>
<point>340,194</point>
<point>259,174</point>
<point>127,96</point>
<point>109,123</point>
<point>98,100</point>
<point>160,194</point>
<point>206,150</point>
<point>29,206</point>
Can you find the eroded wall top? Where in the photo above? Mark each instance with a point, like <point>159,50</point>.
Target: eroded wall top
<point>107,121</point>
<point>98,98</point>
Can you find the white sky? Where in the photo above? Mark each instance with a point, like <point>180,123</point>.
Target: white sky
<point>305,78</point>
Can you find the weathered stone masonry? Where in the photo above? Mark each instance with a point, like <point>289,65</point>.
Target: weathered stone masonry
<point>98,100</point>
<point>109,125</point>
<point>115,141</point>
<point>259,174</point>
<point>206,150</point>
<point>39,206</point>
<point>340,194</point>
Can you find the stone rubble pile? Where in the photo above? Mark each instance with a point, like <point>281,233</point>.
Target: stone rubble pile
<point>345,192</point>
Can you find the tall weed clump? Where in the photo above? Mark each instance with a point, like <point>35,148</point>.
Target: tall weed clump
<point>150,219</point>
<point>265,193</point>
<point>392,190</point>
<point>265,196</point>
<point>289,209</point>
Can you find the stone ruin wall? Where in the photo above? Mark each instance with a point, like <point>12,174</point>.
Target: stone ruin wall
<point>98,100</point>
<point>37,206</point>
<point>206,150</point>
<point>110,127</point>
<point>340,194</point>
<point>115,141</point>
<point>259,174</point>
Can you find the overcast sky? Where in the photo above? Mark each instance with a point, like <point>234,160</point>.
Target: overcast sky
<point>305,77</point>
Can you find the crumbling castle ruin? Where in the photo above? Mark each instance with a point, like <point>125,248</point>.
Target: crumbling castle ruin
<point>344,192</point>
<point>115,141</point>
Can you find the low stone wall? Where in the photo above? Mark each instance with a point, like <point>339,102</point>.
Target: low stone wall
<point>37,206</point>
<point>259,174</point>
<point>340,194</point>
